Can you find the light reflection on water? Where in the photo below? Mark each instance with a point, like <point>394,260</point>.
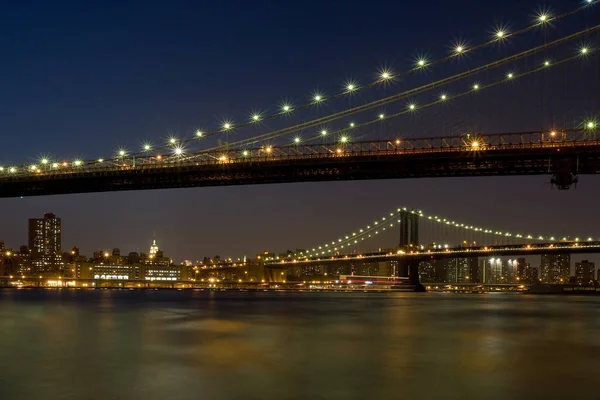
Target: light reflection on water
<point>187,345</point>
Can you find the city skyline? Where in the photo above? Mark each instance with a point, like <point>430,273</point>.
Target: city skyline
<point>44,255</point>
<point>102,106</point>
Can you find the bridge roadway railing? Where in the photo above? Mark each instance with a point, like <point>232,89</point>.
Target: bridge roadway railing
<point>464,252</point>
<point>571,138</point>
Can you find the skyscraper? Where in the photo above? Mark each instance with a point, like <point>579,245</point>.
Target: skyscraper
<point>153,248</point>
<point>584,272</point>
<point>555,268</point>
<point>493,269</point>
<point>521,270</point>
<point>45,243</point>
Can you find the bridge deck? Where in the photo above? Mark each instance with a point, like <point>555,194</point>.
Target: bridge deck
<point>489,155</point>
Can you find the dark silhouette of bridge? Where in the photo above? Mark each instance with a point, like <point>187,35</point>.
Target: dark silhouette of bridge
<point>561,155</point>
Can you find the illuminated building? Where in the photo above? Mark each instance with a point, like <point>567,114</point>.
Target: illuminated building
<point>493,269</point>
<point>441,268</point>
<point>427,271</point>
<point>555,268</point>
<point>584,272</point>
<point>162,273</point>
<point>454,270</point>
<point>521,269</point>
<point>467,270</point>
<point>533,274</point>
<point>510,271</point>
<point>153,249</point>
<point>525,273</point>
<point>45,243</point>
<point>116,272</point>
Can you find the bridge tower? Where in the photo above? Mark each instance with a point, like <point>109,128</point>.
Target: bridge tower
<point>409,239</point>
<point>409,229</point>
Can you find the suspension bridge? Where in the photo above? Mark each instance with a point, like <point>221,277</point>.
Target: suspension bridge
<point>330,148</point>
<point>422,241</point>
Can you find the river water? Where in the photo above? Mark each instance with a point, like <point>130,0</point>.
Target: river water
<point>109,344</point>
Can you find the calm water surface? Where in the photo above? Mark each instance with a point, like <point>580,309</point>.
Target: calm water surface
<point>204,345</point>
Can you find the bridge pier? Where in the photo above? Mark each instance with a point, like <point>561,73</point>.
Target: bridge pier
<point>409,266</point>
<point>413,276</point>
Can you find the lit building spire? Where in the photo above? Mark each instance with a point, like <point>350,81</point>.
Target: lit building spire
<point>153,248</point>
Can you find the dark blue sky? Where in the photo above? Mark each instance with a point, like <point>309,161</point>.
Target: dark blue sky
<point>81,79</point>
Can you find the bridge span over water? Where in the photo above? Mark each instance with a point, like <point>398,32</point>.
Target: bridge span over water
<point>561,155</point>
<point>410,259</point>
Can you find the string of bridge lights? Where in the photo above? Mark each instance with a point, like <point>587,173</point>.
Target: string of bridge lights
<point>413,107</point>
<point>445,97</point>
<point>589,125</point>
<point>389,221</point>
<point>351,87</point>
<point>543,18</point>
<point>386,75</point>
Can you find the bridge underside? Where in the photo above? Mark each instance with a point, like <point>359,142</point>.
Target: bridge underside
<point>561,164</point>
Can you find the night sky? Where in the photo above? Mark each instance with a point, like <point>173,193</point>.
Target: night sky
<point>80,79</point>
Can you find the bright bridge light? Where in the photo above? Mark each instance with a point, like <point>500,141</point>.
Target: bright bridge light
<point>421,62</point>
<point>344,139</point>
<point>510,75</point>
<point>459,49</point>
<point>543,18</point>
<point>475,145</point>
<point>323,132</point>
<point>199,133</point>
<point>178,151</point>
<point>381,116</point>
<point>172,140</point>
<point>500,34</point>
<point>256,117</point>
<point>443,97</point>
<point>385,75</point>
<point>584,50</point>
<point>44,161</point>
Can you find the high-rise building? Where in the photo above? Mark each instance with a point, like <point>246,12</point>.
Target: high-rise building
<point>493,270</point>
<point>521,270</point>
<point>462,270</point>
<point>534,274</point>
<point>153,248</point>
<point>427,271</point>
<point>45,243</point>
<point>584,272</point>
<point>555,268</point>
